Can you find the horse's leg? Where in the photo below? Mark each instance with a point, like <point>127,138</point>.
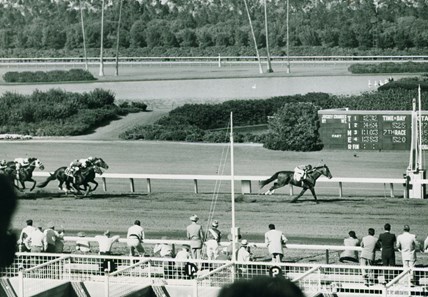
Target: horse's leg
<point>313,194</point>
<point>34,184</point>
<point>96,185</point>
<point>272,189</point>
<point>300,194</point>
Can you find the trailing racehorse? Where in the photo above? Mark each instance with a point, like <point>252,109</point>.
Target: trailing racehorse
<point>287,177</point>
<point>25,173</point>
<point>83,177</point>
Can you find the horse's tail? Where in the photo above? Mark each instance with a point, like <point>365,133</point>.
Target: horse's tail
<point>263,183</point>
<point>45,183</point>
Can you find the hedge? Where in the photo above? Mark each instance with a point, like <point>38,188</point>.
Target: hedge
<point>49,76</point>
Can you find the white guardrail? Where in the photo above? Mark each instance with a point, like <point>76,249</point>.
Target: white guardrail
<point>246,181</point>
<point>214,60</point>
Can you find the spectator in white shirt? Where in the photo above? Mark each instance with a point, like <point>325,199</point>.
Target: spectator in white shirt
<point>26,231</point>
<point>105,242</point>
<point>135,239</point>
<point>275,241</point>
<point>35,241</point>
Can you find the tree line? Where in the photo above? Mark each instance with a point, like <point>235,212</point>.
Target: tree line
<point>195,24</point>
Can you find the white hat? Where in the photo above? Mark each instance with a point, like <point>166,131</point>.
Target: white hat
<point>194,218</point>
<point>244,242</point>
<point>214,223</point>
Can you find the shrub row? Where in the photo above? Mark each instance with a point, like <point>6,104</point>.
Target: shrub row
<point>194,122</point>
<point>389,67</point>
<point>58,113</point>
<point>48,76</point>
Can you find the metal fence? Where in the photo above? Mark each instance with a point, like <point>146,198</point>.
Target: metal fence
<point>120,275</point>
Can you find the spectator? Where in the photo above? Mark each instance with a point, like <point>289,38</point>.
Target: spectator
<point>230,251</point>
<point>135,238</point>
<point>244,252</point>
<point>195,235</point>
<point>181,258</point>
<point>26,231</point>
<point>387,241</point>
<point>51,237</point>
<point>164,249</point>
<point>82,244</point>
<point>369,244</point>
<point>348,255</point>
<point>275,240</point>
<point>407,244</point>
<point>105,242</point>
<point>426,245</point>
<point>35,241</point>
<point>213,241</point>
<point>262,286</point>
<point>59,242</point>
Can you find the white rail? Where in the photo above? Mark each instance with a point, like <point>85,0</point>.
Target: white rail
<point>246,181</point>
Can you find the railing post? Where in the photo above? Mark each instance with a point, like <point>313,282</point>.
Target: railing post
<point>106,284</point>
<point>340,190</point>
<point>131,180</point>
<point>195,288</point>
<point>149,186</point>
<point>21,283</point>
<point>104,184</point>
<point>291,190</point>
<point>327,256</point>
<point>391,187</point>
<point>195,184</point>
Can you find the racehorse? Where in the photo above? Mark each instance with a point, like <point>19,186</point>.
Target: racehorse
<point>287,177</point>
<point>25,173</point>
<point>84,176</point>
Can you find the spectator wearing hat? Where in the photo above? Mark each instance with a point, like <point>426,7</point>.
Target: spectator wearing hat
<point>51,237</point>
<point>181,258</point>
<point>244,252</point>
<point>164,249</point>
<point>26,231</point>
<point>195,234</point>
<point>213,241</point>
<point>275,240</point>
<point>105,242</point>
<point>82,244</point>
<point>135,238</point>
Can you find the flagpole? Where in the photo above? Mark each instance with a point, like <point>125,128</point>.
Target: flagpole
<point>420,129</point>
<point>232,186</point>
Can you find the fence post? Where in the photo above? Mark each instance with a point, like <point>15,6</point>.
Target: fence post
<point>195,183</point>
<point>195,288</point>
<point>291,190</point>
<point>340,190</point>
<point>149,186</point>
<point>106,284</point>
<point>327,256</point>
<point>104,184</point>
<point>131,180</point>
<point>21,283</point>
<point>391,186</point>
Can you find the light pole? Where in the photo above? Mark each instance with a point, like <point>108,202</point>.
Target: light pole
<point>269,66</point>
<point>117,39</point>
<point>102,40</point>
<point>288,37</point>
<point>254,36</point>
<point>83,35</point>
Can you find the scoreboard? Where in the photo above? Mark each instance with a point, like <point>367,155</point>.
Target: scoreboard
<point>369,130</point>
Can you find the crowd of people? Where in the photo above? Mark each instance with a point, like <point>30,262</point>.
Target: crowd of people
<point>388,243</point>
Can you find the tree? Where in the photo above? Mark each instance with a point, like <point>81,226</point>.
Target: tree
<point>294,128</point>
<point>136,35</point>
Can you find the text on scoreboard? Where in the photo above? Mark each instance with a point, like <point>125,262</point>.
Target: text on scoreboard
<point>369,130</point>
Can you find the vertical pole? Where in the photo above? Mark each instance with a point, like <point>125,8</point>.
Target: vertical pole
<point>21,283</point>
<point>232,188</point>
<point>391,188</point>
<point>420,129</point>
<point>104,184</point>
<point>340,190</point>
<point>83,35</point>
<point>253,35</point>
<point>101,73</point>
<point>131,181</point>
<point>117,39</point>
<point>269,66</point>
<point>327,256</point>
<point>288,37</point>
<point>149,186</point>
<point>219,61</point>
<point>106,284</point>
<point>195,184</point>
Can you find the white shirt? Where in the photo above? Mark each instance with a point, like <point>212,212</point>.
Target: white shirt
<point>406,243</point>
<point>275,239</point>
<point>136,230</point>
<point>243,255</point>
<point>105,242</point>
<point>26,231</point>
<point>36,238</point>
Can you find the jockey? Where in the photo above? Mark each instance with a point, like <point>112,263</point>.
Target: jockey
<point>76,165</point>
<point>301,171</point>
<point>3,164</point>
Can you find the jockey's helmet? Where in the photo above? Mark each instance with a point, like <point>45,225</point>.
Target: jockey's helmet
<point>91,159</point>
<point>3,163</point>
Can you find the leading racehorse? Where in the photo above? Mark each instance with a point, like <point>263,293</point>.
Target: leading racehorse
<point>85,176</point>
<point>287,177</point>
<point>26,172</point>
